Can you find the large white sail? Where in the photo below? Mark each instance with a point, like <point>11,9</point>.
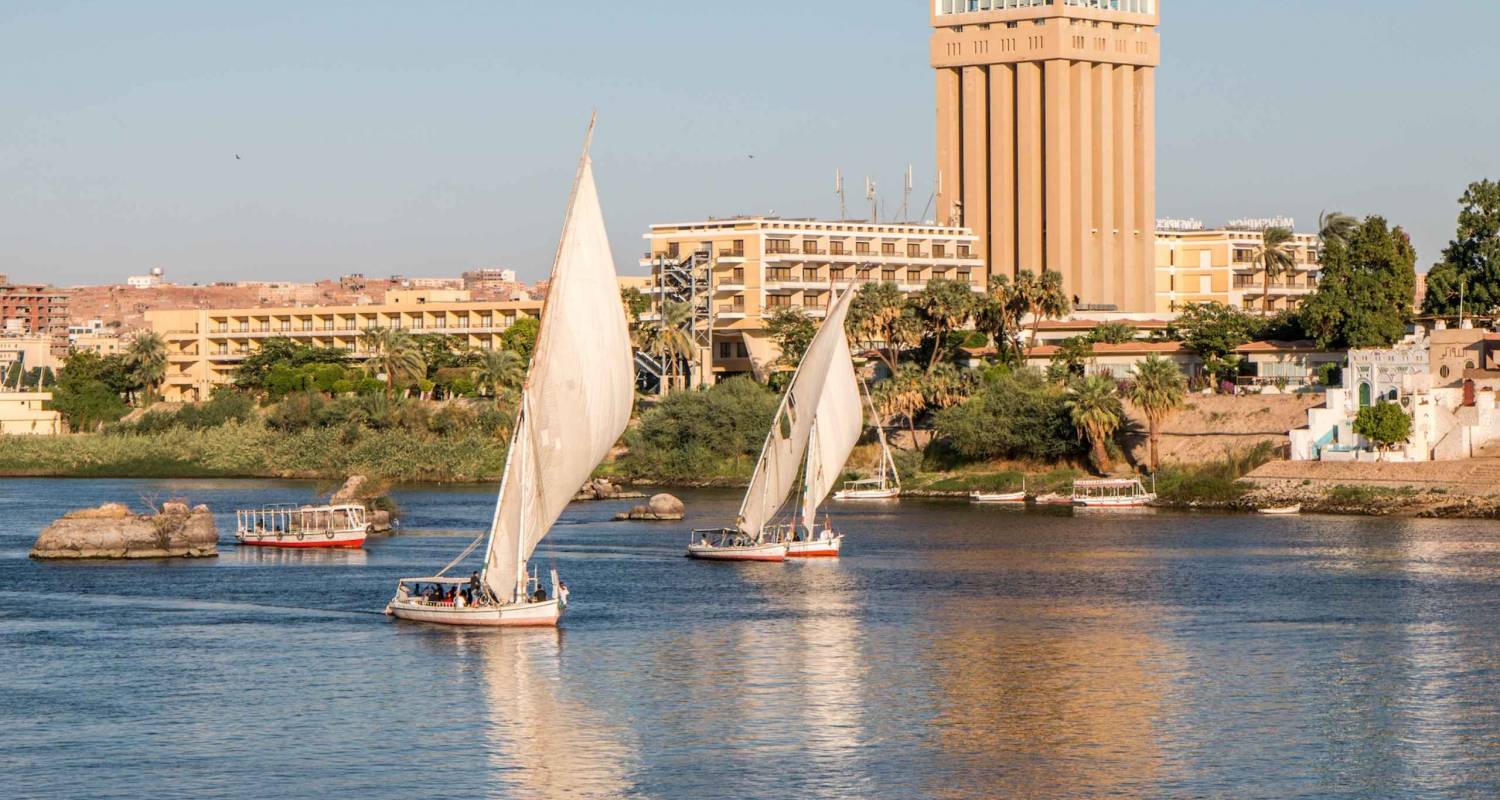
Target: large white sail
<point>786,443</point>
<point>578,395</point>
<point>835,432</point>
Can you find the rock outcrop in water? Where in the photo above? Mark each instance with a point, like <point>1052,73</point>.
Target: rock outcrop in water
<point>358,490</point>
<point>662,508</point>
<point>602,489</point>
<point>111,531</point>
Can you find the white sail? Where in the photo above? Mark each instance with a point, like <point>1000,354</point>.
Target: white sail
<point>888,474</point>
<point>836,429</point>
<point>786,443</point>
<point>578,396</point>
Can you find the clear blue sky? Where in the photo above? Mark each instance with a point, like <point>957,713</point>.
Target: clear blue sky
<point>426,138</point>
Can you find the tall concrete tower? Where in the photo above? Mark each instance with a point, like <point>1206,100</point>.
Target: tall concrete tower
<point>1047,138</point>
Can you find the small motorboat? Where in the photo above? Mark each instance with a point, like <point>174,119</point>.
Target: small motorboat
<point>1054,499</point>
<point>1280,511</point>
<point>730,544</point>
<point>293,526</point>
<point>1010,498</point>
<point>874,489</point>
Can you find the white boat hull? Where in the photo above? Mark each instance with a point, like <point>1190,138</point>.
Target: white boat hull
<point>516,615</point>
<point>302,539</point>
<point>818,548</point>
<point>1115,502</point>
<point>770,551</point>
<point>867,494</point>
<point>1013,498</point>
<point>1281,512</point>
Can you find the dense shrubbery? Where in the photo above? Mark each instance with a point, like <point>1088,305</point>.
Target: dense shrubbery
<point>703,435</point>
<point>1216,483</point>
<point>1015,415</point>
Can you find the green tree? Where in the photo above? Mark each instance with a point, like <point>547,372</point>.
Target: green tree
<point>793,332</point>
<point>1016,414</point>
<point>83,394</point>
<point>1043,297</point>
<point>1364,297</point>
<point>945,386</point>
<point>1335,226</point>
<point>147,356</point>
<point>901,396</point>
<point>1274,257</point>
<point>396,356</point>
<point>1159,390</point>
<point>1113,333</point>
<point>498,371</point>
<point>943,306</point>
<point>636,303</point>
<point>1093,403</point>
<point>1470,269</point>
<point>1212,330</point>
<point>707,433</point>
<point>440,351</point>
<point>521,336</point>
<point>881,319</point>
<point>669,338</point>
<point>1385,424</point>
<point>1071,359</point>
<point>999,314</point>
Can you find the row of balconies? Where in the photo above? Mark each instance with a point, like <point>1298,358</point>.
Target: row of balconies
<point>440,325</point>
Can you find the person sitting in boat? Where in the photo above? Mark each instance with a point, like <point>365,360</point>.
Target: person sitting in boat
<point>459,601</point>
<point>539,596</point>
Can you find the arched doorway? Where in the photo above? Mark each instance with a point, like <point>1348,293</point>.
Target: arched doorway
<point>1364,395</point>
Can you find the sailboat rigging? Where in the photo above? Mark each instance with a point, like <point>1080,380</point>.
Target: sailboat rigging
<point>886,485</point>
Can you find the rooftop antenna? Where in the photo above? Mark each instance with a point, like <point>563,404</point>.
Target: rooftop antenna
<point>838,189</point>
<point>906,188</point>
<point>870,195</point>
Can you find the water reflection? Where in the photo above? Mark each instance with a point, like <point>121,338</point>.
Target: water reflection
<point>279,556</point>
<point>541,742</point>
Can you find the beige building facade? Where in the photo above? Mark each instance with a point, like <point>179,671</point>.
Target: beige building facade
<point>30,350</point>
<point>1220,266</point>
<point>206,346</point>
<point>744,270</point>
<point>1046,139</point>
<point>26,414</point>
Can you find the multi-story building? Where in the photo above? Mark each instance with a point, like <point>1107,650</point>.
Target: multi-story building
<point>738,272</point>
<point>26,414</point>
<point>206,346</point>
<point>1046,139</point>
<point>31,351</point>
<point>35,309</point>
<point>1220,266</point>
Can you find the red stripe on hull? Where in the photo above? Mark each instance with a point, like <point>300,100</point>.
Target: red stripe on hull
<point>814,554</point>
<point>325,545</point>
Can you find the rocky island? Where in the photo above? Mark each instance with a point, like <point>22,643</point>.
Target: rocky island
<point>111,531</point>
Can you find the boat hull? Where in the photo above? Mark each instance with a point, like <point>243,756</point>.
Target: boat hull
<point>1014,498</point>
<point>528,615</point>
<point>1281,512</point>
<point>819,548</point>
<point>758,552</point>
<point>342,540</point>
<point>870,494</point>
<point>1123,502</point>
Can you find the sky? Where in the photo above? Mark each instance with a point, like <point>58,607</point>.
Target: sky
<point>295,140</point>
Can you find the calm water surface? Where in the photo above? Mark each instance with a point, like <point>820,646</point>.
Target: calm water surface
<point>952,653</point>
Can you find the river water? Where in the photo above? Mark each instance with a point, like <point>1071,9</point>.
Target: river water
<point>953,653</point>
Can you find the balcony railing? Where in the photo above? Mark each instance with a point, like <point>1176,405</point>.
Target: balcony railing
<point>731,254</point>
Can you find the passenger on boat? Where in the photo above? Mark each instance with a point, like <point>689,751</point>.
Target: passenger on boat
<point>460,601</point>
<point>474,583</point>
<point>539,596</point>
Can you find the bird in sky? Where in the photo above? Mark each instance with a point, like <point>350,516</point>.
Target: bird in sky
<point>236,156</point>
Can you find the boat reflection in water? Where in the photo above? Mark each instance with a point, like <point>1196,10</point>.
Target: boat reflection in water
<point>272,556</point>
<point>541,741</point>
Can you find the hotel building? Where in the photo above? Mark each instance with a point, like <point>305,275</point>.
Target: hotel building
<point>1219,266</point>
<point>206,346</point>
<point>1046,131</point>
<point>737,272</point>
<point>35,309</point>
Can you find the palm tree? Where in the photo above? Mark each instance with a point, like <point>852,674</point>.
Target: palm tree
<point>147,357</point>
<point>668,338</point>
<point>1094,405</point>
<point>499,370</point>
<point>879,317</point>
<point>902,395</point>
<point>1043,297</point>
<point>396,355</point>
<point>1159,391</point>
<point>1274,258</point>
<point>1335,226</point>
<point>946,386</point>
<point>942,307</point>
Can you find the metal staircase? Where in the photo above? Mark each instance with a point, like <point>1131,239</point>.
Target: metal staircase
<point>686,280</point>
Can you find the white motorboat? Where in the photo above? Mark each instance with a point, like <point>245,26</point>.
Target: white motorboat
<point>1001,498</point>
<point>816,444</point>
<point>1126,493</point>
<point>1280,511</point>
<point>302,527</point>
<point>576,402</point>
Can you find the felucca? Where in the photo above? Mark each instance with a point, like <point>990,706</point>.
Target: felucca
<point>886,485</point>
<point>575,404</point>
<point>801,419</point>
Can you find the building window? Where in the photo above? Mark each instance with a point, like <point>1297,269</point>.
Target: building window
<point>939,251</point>
<point>740,350</point>
<point>307,324</point>
<point>963,251</point>
<point>887,248</point>
<point>861,248</point>
<point>778,300</point>
<point>486,321</point>
<point>778,246</point>
<point>810,247</point>
<point>836,248</point>
<point>914,250</point>
<point>779,274</point>
<point>724,349</point>
<point>836,273</point>
<point>809,273</point>
<point>888,275</point>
